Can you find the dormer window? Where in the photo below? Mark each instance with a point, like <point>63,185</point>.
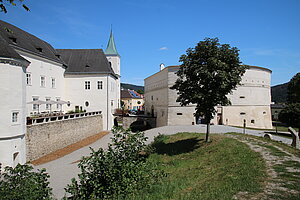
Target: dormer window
<point>87,66</point>
<point>57,55</point>
<point>13,39</point>
<point>39,49</point>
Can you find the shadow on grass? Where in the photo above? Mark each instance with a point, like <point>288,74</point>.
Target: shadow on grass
<point>178,147</point>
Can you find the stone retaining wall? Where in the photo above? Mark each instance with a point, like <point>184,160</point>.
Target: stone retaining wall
<point>42,139</point>
<point>128,120</point>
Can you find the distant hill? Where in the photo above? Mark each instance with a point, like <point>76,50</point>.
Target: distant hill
<point>131,86</point>
<point>279,93</point>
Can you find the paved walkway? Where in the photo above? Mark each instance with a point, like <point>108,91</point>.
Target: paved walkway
<point>62,170</point>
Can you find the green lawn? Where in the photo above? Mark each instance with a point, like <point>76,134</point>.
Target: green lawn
<point>197,170</point>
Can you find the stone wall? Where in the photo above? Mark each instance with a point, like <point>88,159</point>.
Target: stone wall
<point>42,139</point>
<point>128,120</point>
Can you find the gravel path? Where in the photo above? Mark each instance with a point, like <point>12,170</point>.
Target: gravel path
<point>62,170</point>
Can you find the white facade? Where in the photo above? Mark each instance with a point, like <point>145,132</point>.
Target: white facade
<point>93,92</point>
<point>44,81</point>
<point>115,62</point>
<point>250,101</point>
<point>32,70</point>
<point>13,104</point>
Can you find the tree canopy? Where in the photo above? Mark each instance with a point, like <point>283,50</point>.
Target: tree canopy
<point>207,74</point>
<point>5,3</point>
<point>291,114</point>
<point>294,89</point>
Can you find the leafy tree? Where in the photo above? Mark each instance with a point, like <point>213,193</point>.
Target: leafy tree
<point>294,89</point>
<point>23,184</point>
<point>114,173</point>
<point>291,113</point>
<point>207,74</point>
<point>5,3</point>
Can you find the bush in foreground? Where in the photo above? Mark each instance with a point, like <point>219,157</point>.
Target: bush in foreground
<point>23,183</point>
<point>117,172</point>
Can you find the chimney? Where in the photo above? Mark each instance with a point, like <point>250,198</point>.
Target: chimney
<point>162,66</point>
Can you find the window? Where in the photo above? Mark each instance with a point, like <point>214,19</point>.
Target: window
<point>252,121</point>
<point>48,105</point>
<point>58,105</point>
<point>28,78</point>
<point>242,113</point>
<point>179,113</point>
<point>87,85</point>
<point>43,81</point>
<point>35,106</point>
<point>13,39</point>
<point>87,104</point>
<point>242,97</point>
<point>14,117</point>
<point>52,82</point>
<point>39,49</point>
<point>100,85</point>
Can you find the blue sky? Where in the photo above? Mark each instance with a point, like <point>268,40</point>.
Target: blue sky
<point>150,32</point>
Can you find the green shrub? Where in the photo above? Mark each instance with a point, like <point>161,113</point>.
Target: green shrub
<point>117,172</point>
<point>22,183</point>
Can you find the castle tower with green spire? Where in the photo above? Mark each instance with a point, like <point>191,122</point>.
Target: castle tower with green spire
<point>113,58</point>
<point>112,54</point>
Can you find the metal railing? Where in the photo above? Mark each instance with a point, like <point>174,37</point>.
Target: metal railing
<point>59,117</point>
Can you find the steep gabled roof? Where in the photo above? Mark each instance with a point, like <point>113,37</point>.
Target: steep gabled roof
<point>19,39</point>
<point>85,61</point>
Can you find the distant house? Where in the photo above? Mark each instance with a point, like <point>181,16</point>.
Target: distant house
<point>250,101</point>
<point>132,100</point>
<point>37,78</point>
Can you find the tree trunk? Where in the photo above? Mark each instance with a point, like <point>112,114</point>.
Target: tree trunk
<point>207,131</point>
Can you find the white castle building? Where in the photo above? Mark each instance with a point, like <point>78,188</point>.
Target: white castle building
<point>250,101</point>
<point>69,79</point>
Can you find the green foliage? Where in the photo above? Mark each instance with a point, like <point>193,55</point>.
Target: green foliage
<point>22,183</point>
<point>211,71</point>
<point>208,73</point>
<point>4,3</point>
<point>121,170</point>
<point>294,89</point>
<point>291,115</point>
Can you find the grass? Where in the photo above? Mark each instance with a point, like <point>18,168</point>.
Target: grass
<point>288,171</point>
<point>285,147</point>
<point>199,170</point>
<point>274,151</point>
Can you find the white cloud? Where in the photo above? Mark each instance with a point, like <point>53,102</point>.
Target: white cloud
<point>163,48</point>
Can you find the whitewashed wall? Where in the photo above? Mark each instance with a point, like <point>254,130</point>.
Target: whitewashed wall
<point>13,94</point>
<point>251,97</point>
<point>105,99</point>
<point>44,67</point>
